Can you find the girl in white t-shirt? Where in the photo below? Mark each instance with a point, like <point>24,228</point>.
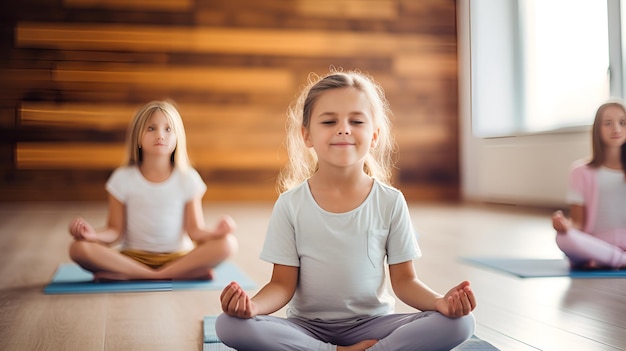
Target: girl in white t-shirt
<point>595,234</point>
<point>155,210</point>
<point>333,229</point>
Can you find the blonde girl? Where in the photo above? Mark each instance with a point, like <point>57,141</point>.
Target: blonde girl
<point>595,234</point>
<point>334,227</point>
<point>155,210</point>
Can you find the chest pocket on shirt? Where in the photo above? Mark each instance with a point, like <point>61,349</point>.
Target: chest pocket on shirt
<point>376,246</point>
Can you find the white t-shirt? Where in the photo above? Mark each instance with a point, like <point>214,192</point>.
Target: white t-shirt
<point>612,206</point>
<point>155,211</point>
<point>340,256</point>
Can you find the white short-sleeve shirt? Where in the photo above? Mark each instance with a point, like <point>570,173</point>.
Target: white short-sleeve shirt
<point>340,256</point>
<point>155,211</point>
<point>612,207</point>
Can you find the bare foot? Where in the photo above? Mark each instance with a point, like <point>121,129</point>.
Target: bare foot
<point>196,274</point>
<point>560,223</point>
<point>202,275</point>
<point>360,346</point>
<point>589,266</point>
<point>104,276</point>
<point>109,277</point>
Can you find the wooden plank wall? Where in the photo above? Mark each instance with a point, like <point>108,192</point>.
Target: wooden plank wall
<point>73,72</point>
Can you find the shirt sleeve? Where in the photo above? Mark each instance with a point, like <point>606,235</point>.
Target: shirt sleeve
<point>576,186</point>
<point>280,240</point>
<point>402,244</point>
<point>117,185</point>
<point>195,185</point>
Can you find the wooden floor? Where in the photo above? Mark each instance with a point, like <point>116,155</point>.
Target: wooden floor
<point>513,313</point>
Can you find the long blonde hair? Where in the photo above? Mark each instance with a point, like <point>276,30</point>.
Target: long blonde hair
<point>303,161</point>
<point>179,157</point>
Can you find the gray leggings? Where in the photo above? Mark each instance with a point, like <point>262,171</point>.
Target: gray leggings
<point>396,332</point>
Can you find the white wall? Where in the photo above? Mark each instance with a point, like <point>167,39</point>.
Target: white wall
<point>526,169</point>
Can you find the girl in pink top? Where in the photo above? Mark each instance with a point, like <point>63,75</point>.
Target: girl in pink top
<point>595,235</point>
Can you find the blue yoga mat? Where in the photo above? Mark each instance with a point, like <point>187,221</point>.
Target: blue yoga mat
<point>70,278</point>
<point>213,343</point>
<point>541,268</point>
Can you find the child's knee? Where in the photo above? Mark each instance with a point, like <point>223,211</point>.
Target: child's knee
<point>231,245</point>
<point>457,330</point>
<point>226,327</point>
<point>221,248</point>
<point>79,249</point>
<point>465,327</point>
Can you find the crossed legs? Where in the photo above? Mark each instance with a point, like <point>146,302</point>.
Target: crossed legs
<point>588,251</point>
<point>397,332</point>
<point>108,263</point>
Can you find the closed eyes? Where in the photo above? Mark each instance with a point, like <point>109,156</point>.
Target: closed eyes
<point>356,122</point>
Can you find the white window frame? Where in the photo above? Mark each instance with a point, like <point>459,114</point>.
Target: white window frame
<point>498,101</point>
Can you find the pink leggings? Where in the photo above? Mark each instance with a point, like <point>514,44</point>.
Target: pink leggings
<point>606,249</point>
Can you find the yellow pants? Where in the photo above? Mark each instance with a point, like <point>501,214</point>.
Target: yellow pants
<point>153,259</point>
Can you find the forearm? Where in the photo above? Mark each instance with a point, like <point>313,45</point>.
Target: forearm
<point>577,215</point>
<point>201,235</point>
<point>107,235</point>
<point>417,295</point>
<point>271,298</point>
<point>409,289</point>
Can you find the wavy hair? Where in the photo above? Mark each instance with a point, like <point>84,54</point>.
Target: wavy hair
<point>303,162</point>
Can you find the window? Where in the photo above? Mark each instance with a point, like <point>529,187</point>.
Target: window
<point>541,65</point>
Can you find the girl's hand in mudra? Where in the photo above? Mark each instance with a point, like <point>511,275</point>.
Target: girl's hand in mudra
<point>81,230</point>
<point>236,302</point>
<point>458,302</point>
<point>226,225</point>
